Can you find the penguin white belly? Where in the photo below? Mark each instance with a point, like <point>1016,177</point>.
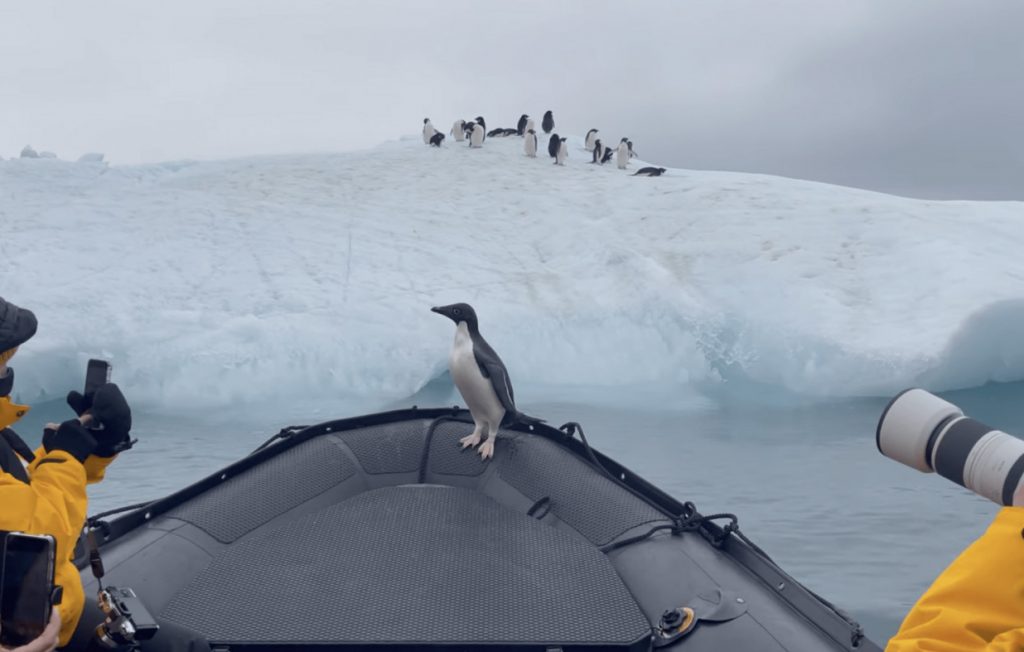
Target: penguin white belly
<point>529,125</point>
<point>458,131</point>
<point>622,156</point>
<point>477,139</point>
<point>531,145</point>
<point>591,137</point>
<point>563,151</point>
<point>428,133</point>
<point>477,391</point>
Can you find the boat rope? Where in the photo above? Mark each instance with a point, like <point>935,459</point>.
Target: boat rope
<point>453,417</point>
<point>284,433</point>
<point>690,520</point>
<point>570,429</point>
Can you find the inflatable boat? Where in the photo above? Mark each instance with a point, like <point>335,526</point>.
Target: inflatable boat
<point>379,532</point>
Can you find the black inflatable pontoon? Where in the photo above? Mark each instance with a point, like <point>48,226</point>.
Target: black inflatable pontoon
<point>380,532</point>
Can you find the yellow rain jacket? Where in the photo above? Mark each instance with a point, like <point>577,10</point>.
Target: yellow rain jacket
<point>977,604</point>
<point>54,503</point>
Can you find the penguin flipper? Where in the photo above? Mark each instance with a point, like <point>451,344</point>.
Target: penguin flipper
<point>493,369</point>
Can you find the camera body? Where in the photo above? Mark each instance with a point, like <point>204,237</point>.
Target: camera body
<point>127,619</point>
<point>929,434</point>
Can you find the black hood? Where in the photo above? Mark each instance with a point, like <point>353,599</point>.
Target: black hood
<point>17,325</point>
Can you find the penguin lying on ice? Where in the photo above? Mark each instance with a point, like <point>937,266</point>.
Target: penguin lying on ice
<point>437,139</point>
<point>649,172</point>
<point>481,378</point>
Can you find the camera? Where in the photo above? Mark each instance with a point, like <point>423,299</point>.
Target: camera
<point>127,619</point>
<point>930,434</point>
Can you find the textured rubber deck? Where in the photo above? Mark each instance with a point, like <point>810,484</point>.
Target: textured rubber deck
<point>246,502</point>
<point>389,448</point>
<point>447,456</point>
<point>580,495</point>
<point>420,563</point>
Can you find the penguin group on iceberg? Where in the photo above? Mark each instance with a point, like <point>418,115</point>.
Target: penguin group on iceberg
<point>475,132</point>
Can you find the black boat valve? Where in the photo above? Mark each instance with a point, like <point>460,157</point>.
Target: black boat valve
<point>671,620</point>
<point>675,624</point>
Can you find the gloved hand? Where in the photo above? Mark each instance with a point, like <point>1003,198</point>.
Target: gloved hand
<point>70,436</point>
<point>109,411</point>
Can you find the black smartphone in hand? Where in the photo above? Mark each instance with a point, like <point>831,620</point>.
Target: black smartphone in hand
<point>97,374</point>
<point>26,588</point>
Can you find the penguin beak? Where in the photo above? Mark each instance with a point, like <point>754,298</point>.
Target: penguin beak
<point>441,310</point>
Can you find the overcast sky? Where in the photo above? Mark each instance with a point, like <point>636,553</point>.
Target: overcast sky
<point>916,97</point>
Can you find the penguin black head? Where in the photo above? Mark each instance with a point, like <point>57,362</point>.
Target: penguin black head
<point>661,170</point>
<point>458,312</point>
<point>563,139</point>
<point>530,131</point>
<point>426,120</point>
<point>480,121</point>
<point>624,140</point>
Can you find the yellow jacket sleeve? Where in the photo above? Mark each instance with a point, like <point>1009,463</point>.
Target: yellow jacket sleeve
<point>977,603</point>
<point>53,503</point>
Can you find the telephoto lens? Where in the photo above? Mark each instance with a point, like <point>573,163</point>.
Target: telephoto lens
<point>929,434</point>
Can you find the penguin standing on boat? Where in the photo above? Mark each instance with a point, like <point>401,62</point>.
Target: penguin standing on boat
<point>548,122</point>
<point>482,380</point>
<point>428,131</point>
<point>531,143</point>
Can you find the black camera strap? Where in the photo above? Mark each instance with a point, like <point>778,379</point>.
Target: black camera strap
<point>95,562</point>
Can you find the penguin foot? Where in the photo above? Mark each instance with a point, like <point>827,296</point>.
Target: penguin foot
<point>487,448</point>
<point>470,440</point>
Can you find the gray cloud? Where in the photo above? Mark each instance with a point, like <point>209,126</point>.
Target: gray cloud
<point>920,97</point>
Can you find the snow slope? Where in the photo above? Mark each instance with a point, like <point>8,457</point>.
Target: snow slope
<point>311,276</point>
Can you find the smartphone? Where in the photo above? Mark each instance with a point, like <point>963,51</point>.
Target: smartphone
<point>97,373</point>
<point>26,589</point>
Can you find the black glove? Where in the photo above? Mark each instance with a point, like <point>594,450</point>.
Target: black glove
<point>111,413</point>
<point>72,437</point>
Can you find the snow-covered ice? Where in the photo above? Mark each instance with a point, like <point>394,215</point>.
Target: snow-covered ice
<point>312,276</point>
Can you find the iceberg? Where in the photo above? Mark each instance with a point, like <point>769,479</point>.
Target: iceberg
<point>311,276</point>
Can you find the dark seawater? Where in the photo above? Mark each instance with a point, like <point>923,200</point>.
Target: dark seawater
<point>805,479</point>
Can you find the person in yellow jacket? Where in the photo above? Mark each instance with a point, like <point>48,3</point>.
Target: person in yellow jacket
<point>977,603</point>
<point>49,497</point>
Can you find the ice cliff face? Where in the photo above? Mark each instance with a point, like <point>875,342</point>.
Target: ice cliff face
<point>312,276</point>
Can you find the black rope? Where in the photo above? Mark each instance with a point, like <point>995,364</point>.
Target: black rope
<point>454,417</point>
<point>691,521</point>
<point>570,429</point>
<point>284,433</point>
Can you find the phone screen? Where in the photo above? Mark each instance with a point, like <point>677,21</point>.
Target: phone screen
<point>26,589</point>
<point>97,373</point>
